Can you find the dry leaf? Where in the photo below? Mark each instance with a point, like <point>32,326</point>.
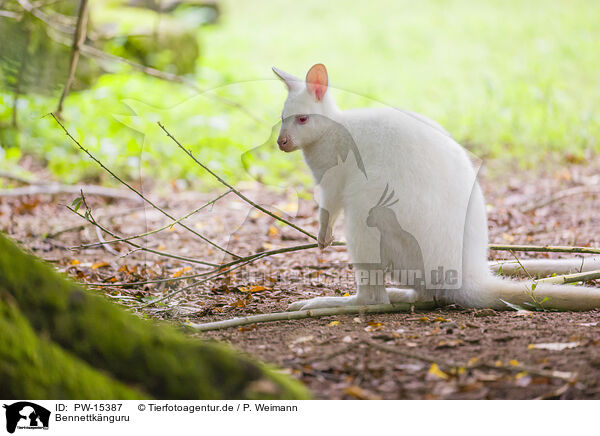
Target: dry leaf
<point>99,265</point>
<point>180,272</point>
<point>358,393</point>
<point>373,326</point>
<point>251,289</point>
<point>436,372</point>
<point>333,323</point>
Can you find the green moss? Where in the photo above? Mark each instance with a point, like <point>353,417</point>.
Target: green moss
<point>162,361</point>
<point>31,367</point>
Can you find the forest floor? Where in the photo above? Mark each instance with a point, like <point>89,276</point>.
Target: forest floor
<point>342,356</point>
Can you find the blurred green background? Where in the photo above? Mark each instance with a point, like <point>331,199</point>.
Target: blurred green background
<point>513,81</point>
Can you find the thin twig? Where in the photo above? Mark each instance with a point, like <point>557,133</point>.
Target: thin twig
<point>236,192</point>
<point>312,313</point>
<point>198,282</point>
<point>78,40</point>
<point>149,250</point>
<point>103,243</point>
<point>578,190</point>
<point>251,258</point>
<point>82,226</point>
<point>151,232</point>
<point>520,264</point>
<point>137,192</point>
<point>572,278</point>
<point>545,248</point>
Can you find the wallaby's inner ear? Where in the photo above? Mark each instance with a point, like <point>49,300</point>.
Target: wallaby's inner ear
<point>289,80</point>
<point>317,81</point>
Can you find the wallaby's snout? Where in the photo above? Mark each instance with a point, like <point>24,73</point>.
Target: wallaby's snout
<point>285,143</point>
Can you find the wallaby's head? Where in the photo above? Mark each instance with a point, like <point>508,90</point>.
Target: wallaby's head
<point>382,214</point>
<point>307,109</point>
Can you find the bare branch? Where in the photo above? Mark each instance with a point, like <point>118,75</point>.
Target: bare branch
<point>238,193</point>
<point>312,313</point>
<point>139,194</point>
<point>545,248</point>
<point>151,232</point>
<point>572,278</point>
<point>78,40</point>
<point>149,250</point>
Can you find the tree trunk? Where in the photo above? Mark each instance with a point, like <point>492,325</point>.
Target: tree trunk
<point>64,342</point>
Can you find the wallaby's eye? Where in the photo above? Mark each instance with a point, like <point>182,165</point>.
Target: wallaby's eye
<point>301,119</point>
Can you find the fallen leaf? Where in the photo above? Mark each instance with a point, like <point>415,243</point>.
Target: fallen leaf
<point>100,265</point>
<point>473,361</point>
<point>436,372</point>
<point>359,393</point>
<point>251,289</point>
<point>75,262</point>
<point>373,326</point>
<point>452,343</point>
<point>334,323</point>
<point>180,272</point>
<point>273,231</point>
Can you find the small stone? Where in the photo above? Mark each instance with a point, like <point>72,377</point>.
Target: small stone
<point>485,312</point>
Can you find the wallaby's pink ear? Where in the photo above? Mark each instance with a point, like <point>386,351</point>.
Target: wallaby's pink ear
<point>317,81</point>
<point>289,80</point>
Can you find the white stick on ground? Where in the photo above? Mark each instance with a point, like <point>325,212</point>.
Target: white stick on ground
<point>313,313</point>
<point>572,278</point>
<point>546,267</point>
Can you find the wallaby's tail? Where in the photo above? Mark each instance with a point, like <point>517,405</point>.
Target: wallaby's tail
<point>544,295</point>
<point>545,267</point>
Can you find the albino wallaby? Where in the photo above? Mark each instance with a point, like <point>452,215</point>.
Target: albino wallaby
<point>439,219</point>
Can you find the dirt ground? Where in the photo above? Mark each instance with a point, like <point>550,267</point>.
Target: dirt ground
<point>448,353</point>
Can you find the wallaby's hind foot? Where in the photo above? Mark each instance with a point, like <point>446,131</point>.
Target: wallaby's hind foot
<point>321,302</point>
<point>405,295</point>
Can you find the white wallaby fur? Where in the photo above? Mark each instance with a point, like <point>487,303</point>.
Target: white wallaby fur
<point>411,203</point>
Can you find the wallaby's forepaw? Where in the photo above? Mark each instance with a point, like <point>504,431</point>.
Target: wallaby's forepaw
<point>324,241</point>
<point>321,302</point>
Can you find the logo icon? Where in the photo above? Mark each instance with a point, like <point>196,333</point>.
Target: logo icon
<point>26,415</point>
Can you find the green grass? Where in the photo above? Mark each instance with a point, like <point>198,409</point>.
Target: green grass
<point>509,79</point>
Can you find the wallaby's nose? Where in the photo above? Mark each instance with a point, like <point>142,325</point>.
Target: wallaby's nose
<point>282,141</point>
